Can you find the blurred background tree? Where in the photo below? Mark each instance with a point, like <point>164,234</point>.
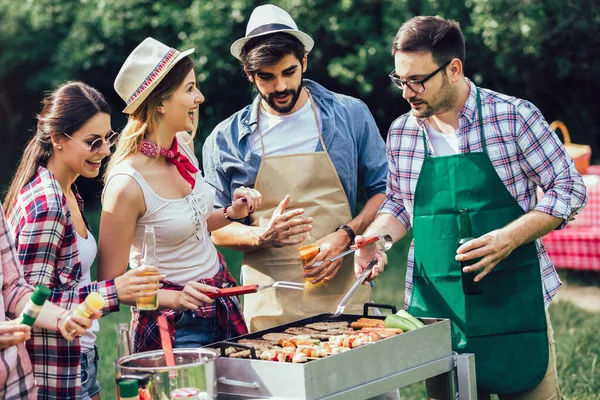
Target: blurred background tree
<point>538,50</point>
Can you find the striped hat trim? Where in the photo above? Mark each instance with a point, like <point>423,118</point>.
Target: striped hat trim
<point>164,62</point>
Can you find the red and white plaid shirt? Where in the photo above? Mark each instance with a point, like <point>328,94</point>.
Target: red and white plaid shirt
<point>525,153</point>
<point>47,249</point>
<point>16,374</point>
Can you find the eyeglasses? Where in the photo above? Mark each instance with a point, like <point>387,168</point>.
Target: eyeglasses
<point>96,145</point>
<point>415,86</point>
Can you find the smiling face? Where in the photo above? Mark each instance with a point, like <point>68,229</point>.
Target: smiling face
<point>280,85</point>
<point>74,152</point>
<point>440,94</point>
<point>177,112</point>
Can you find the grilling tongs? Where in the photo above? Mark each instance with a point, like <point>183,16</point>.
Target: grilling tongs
<point>238,290</point>
<point>342,305</point>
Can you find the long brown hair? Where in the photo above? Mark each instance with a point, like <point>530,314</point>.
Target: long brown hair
<point>145,118</point>
<point>64,111</point>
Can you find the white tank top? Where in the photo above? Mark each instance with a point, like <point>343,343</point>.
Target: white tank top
<point>87,249</point>
<point>184,249</point>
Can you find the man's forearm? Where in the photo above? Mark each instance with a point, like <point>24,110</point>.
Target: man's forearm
<point>531,226</point>
<point>240,237</point>
<point>387,224</point>
<point>367,214</point>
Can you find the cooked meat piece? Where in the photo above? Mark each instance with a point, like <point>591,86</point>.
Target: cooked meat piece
<point>241,354</point>
<point>339,331</point>
<point>256,343</point>
<point>300,330</point>
<point>323,326</point>
<point>321,336</point>
<point>274,337</point>
<point>230,350</point>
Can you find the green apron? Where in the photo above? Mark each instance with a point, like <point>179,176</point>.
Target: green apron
<point>505,326</point>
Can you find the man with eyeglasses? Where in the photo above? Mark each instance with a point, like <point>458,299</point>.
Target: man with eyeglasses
<point>463,169</point>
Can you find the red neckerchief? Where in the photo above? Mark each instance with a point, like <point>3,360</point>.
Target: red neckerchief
<point>183,164</point>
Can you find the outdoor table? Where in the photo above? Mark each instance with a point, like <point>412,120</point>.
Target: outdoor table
<point>577,246</point>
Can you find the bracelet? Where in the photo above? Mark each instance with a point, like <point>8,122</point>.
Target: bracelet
<point>227,217</point>
<point>349,231</point>
<point>60,317</point>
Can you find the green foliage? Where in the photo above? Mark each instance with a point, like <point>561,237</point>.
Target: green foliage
<point>539,50</point>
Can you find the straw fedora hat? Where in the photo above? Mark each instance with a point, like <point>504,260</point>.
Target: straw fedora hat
<point>143,70</point>
<point>269,19</point>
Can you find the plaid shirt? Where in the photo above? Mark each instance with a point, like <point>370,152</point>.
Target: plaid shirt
<point>145,334</point>
<point>47,249</point>
<point>16,373</point>
<point>525,152</point>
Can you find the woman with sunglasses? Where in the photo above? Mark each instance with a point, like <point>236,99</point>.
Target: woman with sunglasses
<point>153,179</point>
<point>53,240</point>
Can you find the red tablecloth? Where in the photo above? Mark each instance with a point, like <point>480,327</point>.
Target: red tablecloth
<point>578,245</point>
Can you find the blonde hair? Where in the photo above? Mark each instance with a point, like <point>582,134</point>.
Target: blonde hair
<point>146,118</point>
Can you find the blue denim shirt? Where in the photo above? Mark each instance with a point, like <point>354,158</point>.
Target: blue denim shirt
<point>351,137</point>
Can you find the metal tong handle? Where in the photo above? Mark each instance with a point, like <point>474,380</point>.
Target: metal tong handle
<point>342,305</point>
<point>352,249</point>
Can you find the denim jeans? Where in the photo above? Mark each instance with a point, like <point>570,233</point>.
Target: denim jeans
<point>191,331</point>
<point>89,374</point>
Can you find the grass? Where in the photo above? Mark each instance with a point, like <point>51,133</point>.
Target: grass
<point>576,331</point>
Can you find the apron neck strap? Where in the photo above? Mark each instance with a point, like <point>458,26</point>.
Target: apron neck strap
<point>480,119</point>
<point>314,109</point>
<point>480,126</point>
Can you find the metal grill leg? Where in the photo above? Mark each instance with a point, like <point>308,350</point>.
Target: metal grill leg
<point>465,374</point>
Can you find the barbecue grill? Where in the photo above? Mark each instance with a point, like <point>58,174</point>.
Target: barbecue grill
<point>359,373</point>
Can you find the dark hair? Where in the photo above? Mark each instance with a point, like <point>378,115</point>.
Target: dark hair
<point>436,35</point>
<point>65,110</point>
<point>267,50</point>
<point>146,117</point>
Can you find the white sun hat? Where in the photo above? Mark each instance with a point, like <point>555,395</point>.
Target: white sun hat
<point>269,19</point>
<point>143,70</point>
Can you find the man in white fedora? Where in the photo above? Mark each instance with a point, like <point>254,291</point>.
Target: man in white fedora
<point>309,152</point>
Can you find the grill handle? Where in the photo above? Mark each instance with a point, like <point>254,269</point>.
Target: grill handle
<point>224,381</point>
<point>375,305</point>
<point>223,345</point>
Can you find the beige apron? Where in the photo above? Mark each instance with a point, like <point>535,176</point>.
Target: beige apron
<point>313,184</point>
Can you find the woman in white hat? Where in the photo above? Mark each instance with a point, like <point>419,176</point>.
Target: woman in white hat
<point>153,179</point>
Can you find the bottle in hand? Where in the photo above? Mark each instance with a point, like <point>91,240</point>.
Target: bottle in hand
<point>149,258</point>
<point>470,287</point>
<point>93,302</point>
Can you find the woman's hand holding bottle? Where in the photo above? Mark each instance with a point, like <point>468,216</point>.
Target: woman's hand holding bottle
<point>138,282</point>
<point>71,325</point>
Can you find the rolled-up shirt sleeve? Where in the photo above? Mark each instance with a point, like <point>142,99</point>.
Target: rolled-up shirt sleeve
<point>545,160</point>
<point>394,204</point>
<point>14,286</point>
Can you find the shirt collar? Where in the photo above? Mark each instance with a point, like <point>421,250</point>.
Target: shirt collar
<point>469,110</point>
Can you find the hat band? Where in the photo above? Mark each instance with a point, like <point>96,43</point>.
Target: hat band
<point>267,28</point>
<point>165,61</point>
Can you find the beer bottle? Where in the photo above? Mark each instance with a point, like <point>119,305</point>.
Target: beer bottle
<point>470,287</point>
<point>149,258</point>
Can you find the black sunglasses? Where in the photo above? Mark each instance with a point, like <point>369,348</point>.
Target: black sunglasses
<point>415,86</point>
